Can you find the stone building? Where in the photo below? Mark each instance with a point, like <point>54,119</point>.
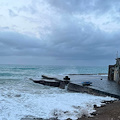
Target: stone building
<point>114,71</point>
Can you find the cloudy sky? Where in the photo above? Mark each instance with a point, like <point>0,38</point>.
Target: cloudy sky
<point>59,32</point>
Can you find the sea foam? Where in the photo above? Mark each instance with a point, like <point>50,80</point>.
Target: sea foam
<point>45,102</point>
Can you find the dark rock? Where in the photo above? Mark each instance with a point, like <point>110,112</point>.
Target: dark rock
<point>66,112</point>
<point>32,119</point>
<point>38,119</point>
<point>94,113</point>
<point>62,85</point>
<point>18,95</point>
<point>66,82</point>
<point>66,78</point>
<point>95,106</point>
<point>83,116</point>
<point>103,105</point>
<point>107,102</point>
<point>68,119</point>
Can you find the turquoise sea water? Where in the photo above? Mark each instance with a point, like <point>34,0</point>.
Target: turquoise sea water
<point>22,71</point>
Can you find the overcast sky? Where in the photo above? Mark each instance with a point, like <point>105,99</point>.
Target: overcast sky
<point>59,32</point>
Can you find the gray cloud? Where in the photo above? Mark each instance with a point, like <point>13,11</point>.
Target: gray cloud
<point>86,6</point>
<point>70,38</point>
<point>13,43</point>
<point>72,44</point>
<point>78,44</point>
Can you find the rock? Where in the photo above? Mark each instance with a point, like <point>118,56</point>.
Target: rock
<point>18,95</point>
<point>66,82</point>
<point>107,102</point>
<point>95,106</point>
<point>62,85</point>
<point>38,119</point>
<point>32,119</point>
<point>66,78</point>
<point>68,119</point>
<point>83,116</point>
<point>94,113</point>
<point>103,105</point>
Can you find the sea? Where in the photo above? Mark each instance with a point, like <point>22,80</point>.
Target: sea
<point>22,71</point>
<point>21,99</point>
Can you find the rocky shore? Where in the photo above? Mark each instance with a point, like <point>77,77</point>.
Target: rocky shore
<point>110,111</point>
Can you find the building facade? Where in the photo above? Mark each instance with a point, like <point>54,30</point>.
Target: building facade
<point>114,71</point>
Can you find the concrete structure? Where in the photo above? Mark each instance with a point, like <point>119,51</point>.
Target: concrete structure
<point>100,87</point>
<point>114,71</point>
<point>52,81</point>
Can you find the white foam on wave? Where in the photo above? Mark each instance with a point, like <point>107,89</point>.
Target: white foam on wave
<point>45,102</point>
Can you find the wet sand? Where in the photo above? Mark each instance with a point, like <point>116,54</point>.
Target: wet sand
<point>110,111</point>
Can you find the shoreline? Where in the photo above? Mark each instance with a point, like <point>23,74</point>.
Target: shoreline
<point>111,111</point>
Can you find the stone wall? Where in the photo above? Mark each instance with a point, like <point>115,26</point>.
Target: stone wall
<point>111,72</point>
